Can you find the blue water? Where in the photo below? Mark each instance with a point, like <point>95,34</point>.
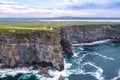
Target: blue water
<point>96,62</point>
<point>90,62</point>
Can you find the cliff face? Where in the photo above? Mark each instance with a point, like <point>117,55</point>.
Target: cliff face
<point>87,33</point>
<point>45,47</point>
<point>37,47</point>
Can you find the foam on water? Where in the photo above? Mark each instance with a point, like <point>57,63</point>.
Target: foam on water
<point>93,43</point>
<point>97,74</point>
<point>65,73</point>
<point>84,55</point>
<point>81,48</point>
<point>105,57</point>
<point>99,71</point>
<point>54,73</point>
<point>75,55</point>
<point>14,72</point>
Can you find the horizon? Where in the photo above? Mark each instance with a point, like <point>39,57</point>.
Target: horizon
<point>63,17</point>
<point>59,8</point>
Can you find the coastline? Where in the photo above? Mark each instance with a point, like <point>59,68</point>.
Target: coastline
<point>52,43</point>
<point>53,74</point>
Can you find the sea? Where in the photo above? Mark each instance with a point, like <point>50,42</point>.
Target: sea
<point>53,19</point>
<point>99,60</point>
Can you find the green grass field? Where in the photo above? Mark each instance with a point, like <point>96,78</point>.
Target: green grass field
<point>27,26</point>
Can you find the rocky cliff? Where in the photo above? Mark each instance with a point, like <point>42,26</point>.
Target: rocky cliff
<point>45,47</point>
<point>87,33</point>
<point>36,47</point>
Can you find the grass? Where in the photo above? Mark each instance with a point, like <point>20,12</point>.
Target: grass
<point>22,27</point>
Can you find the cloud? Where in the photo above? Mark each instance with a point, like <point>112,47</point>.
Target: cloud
<point>12,9</point>
<point>77,8</point>
<point>91,4</point>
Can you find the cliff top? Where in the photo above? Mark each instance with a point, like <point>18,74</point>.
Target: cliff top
<point>29,26</point>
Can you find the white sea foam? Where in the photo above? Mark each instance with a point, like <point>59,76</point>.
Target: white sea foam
<point>97,74</point>
<point>83,56</point>
<point>14,72</point>
<point>81,48</point>
<point>109,58</point>
<point>75,55</point>
<point>93,43</point>
<point>54,73</point>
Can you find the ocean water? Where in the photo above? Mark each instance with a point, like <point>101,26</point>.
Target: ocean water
<point>62,19</point>
<point>94,61</point>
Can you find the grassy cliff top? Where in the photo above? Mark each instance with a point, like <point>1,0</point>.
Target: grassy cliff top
<point>27,26</point>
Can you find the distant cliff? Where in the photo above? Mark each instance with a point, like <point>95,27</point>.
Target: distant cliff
<point>37,47</point>
<point>87,33</point>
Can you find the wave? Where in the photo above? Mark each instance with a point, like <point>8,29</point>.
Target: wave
<point>105,57</point>
<point>97,74</point>
<point>81,49</point>
<point>14,72</point>
<point>93,43</point>
<point>81,68</point>
<point>75,55</point>
<point>54,73</point>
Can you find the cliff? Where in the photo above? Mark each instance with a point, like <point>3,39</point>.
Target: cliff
<point>87,33</point>
<point>44,47</point>
<point>36,47</point>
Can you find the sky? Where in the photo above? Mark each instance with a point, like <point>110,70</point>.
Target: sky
<point>58,8</point>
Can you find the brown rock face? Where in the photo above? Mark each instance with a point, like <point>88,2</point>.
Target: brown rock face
<point>61,78</point>
<point>37,47</point>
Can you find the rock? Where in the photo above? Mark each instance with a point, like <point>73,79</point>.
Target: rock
<point>36,47</point>
<point>86,34</point>
<point>61,77</point>
<point>66,45</point>
<point>43,71</point>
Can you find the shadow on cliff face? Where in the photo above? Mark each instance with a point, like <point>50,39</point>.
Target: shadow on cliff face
<point>66,46</point>
<point>66,43</point>
<point>45,64</point>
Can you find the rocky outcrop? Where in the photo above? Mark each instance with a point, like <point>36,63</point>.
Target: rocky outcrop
<point>61,77</point>
<point>36,47</point>
<point>66,45</point>
<point>87,33</point>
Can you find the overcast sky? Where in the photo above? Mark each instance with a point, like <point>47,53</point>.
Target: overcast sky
<point>57,8</point>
